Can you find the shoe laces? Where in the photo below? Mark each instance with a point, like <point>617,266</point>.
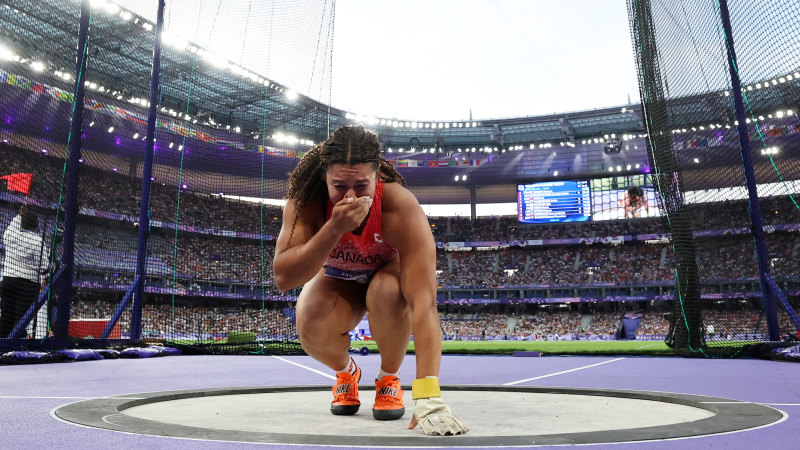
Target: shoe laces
<point>346,387</point>
<point>388,390</point>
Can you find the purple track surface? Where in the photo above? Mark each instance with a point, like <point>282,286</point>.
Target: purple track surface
<point>29,393</point>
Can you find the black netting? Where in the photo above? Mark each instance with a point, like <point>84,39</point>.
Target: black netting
<point>682,53</point>
<point>238,97</point>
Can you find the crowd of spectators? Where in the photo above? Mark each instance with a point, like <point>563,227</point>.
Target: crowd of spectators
<point>209,257</point>
<point>168,321</point>
<point>545,325</point>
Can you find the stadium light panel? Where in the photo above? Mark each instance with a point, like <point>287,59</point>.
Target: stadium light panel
<point>5,53</point>
<point>111,8</point>
<point>215,60</point>
<point>97,3</point>
<point>619,168</point>
<point>456,179</point>
<point>628,167</point>
<point>610,169</point>
<point>37,66</point>
<point>463,178</point>
<point>696,161</point>
<point>136,135</point>
<point>171,144</point>
<point>110,129</point>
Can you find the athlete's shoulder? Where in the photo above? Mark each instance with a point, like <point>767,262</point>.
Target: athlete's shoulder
<point>396,197</point>
<point>312,213</point>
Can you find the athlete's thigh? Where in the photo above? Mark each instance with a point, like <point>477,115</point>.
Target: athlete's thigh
<point>384,292</point>
<point>330,303</point>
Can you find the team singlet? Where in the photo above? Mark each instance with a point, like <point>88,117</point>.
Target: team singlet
<point>357,257</point>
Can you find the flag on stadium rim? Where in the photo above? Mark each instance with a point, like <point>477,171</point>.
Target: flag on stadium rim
<point>433,163</point>
<point>20,182</point>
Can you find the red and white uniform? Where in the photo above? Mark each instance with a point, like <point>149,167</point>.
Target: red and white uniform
<point>357,257</point>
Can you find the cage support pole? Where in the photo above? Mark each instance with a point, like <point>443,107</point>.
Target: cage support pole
<point>750,177</point>
<point>73,177</point>
<point>147,172</point>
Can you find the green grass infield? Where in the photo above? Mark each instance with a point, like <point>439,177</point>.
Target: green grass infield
<point>545,347</point>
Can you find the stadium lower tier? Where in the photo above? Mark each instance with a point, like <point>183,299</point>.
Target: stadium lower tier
<point>726,321</point>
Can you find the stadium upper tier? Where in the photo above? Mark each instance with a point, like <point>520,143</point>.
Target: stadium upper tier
<point>237,123</point>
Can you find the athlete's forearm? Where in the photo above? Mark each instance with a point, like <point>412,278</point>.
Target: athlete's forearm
<point>427,339</point>
<point>294,266</point>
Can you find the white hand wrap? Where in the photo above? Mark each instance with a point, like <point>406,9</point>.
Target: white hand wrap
<point>434,417</point>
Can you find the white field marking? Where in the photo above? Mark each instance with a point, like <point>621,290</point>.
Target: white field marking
<point>726,403</point>
<point>326,375</point>
<point>66,398</point>
<point>561,373</point>
<point>37,397</point>
<point>755,403</point>
<point>647,346</point>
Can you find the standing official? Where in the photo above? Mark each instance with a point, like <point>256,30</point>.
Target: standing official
<point>25,257</point>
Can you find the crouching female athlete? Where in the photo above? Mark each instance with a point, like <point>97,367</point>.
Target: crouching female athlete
<point>359,241</point>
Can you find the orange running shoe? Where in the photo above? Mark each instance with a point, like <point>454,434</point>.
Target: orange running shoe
<point>345,394</point>
<point>388,399</point>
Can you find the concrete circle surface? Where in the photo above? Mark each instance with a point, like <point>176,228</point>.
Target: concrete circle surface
<point>496,416</point>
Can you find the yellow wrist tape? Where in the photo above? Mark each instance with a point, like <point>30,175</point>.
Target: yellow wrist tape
<point>425,388</point>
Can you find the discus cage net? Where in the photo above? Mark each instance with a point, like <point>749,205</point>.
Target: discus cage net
<point>148,155</point>
<point>720,88</point>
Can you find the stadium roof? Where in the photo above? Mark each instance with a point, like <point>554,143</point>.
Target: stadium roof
<point>229,101</point>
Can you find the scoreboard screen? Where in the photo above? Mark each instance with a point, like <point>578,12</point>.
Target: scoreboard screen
<point>554,201</point>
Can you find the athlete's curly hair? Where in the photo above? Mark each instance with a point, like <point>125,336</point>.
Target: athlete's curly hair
<point>350,144</point>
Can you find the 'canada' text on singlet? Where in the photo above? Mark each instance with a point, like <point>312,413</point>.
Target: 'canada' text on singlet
<point>356,258</point>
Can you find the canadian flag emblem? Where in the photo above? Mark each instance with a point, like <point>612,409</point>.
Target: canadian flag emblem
<point>378,237</point>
